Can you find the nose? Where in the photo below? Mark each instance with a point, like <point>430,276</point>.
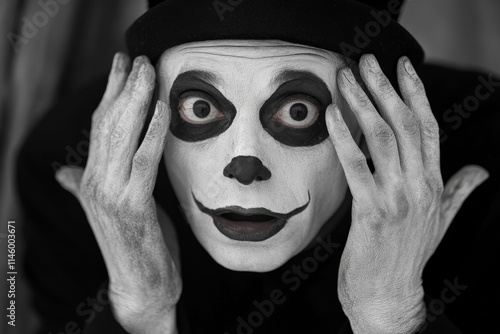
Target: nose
<point>247,169</point>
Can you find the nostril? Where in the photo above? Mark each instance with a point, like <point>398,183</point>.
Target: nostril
<point>247,169</point>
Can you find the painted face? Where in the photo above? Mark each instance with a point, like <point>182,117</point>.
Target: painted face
<point>247,152</point>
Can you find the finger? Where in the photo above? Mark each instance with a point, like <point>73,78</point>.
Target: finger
<point>117,79</point>
<point>379,137</point>
<point>70,178</point>
<point>351,157</point>
<point>413,92</point>
<point>458,188</point>
<point>148,156</point>
<point>100,126</point>
<point>400,118</point>
<point>133,105</point>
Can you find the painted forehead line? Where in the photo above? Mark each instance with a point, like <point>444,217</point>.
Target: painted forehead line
<point>236,48</point>
<point>256,57</point>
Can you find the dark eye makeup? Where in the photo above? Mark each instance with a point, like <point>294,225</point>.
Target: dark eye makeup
<point>199,110</point>
<point>293,115</point>
<point>299,89</point>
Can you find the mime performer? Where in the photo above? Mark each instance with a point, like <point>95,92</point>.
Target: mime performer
<point>301,150</point>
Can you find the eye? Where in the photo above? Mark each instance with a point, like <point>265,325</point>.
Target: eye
<point>198,110</point>
<point>297,113</point>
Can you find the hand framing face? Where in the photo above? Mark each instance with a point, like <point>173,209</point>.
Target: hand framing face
<point>401,212</point>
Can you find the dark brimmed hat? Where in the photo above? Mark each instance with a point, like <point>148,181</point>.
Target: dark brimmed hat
<point>348,27</point>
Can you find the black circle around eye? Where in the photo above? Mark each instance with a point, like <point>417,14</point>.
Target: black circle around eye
<point>201,108</point>
<point>298,111</point>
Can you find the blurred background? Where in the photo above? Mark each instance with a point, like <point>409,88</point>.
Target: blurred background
<point>52,48</point>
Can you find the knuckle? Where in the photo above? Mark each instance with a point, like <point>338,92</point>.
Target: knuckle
<point>410,124</point>
<point>384,86</point>
<point>362,100</point>
<point>358,164</point>
<point>426,192</point>
<point>100,195</point>
<point>117,136</point>
<point>423,194</point>
<point>436,185</point>
<point>400,206</point>
<point>383,134</point>
<point>141,163</point>
<point>430,128</point>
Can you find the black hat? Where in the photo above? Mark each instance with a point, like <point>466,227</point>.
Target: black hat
<point>348,27</point>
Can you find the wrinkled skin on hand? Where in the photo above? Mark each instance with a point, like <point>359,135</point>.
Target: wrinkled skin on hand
<point>116,193</point>
<point>402,211</point>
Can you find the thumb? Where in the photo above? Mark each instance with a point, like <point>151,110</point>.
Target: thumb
<point>69,177</point>
<point>458,188</point>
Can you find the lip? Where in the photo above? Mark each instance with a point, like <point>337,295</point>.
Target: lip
<point>261,224</point>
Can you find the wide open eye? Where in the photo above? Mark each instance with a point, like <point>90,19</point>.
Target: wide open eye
<point>298,112</point>
<point>198,110</point>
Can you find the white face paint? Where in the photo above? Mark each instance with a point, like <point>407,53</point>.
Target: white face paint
<point>286,175</point>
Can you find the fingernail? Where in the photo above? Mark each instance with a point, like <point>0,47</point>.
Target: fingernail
<point>408,66</point>
<point>134,73</point>
<point>372,63</point>
<point>142,70</point>
<point>138,60</point>
<point>347,72</point>
<point>138,65</point>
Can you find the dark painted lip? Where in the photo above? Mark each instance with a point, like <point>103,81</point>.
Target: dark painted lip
<point>243,230</point>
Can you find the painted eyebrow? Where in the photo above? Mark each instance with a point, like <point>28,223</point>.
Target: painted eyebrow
<point>206,76</point>
<point>281,78</point>
<point>289,75</point>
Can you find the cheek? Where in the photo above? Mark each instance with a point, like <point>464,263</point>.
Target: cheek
<point>193,167</point>
<point>316,169</point>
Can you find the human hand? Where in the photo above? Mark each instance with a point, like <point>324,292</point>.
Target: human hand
<point>402,211</point>
<point>116,193</point>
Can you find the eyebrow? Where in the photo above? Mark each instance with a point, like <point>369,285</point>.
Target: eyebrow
<point>282,77</point>
<point>208,77</point>
<point>290,75</point>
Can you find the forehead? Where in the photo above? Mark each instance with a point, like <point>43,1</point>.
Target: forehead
<point>230,60</point>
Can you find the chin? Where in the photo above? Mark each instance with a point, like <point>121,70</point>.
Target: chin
<point>241,258</point>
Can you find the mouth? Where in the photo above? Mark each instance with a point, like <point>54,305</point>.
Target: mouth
<point>249,224</point>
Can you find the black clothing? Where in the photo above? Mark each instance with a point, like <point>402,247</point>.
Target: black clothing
<point>66,270</point>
